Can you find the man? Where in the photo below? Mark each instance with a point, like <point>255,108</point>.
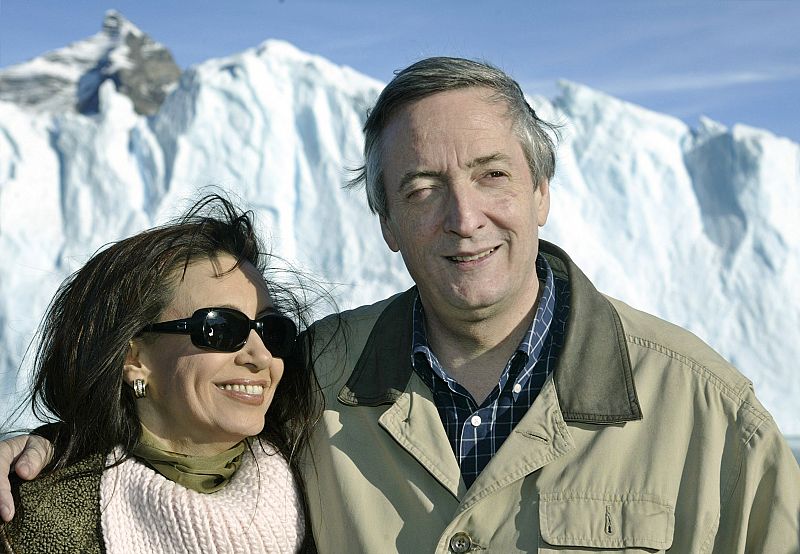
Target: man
<point>503,404</point>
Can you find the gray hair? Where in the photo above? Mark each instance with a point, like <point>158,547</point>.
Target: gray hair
<point>431,76</point>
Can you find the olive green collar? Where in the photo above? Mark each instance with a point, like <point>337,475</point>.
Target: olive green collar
<point>205,474</point>
<point>593,377</point>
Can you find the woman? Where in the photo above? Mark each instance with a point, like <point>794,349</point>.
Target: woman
<point>160,358</point>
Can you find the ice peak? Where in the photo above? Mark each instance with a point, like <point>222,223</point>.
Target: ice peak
<point>709,127</point>
<point>116,25</point>
<point>278,47</point>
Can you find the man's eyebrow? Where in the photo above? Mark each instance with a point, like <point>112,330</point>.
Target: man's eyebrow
<point>485,160</point>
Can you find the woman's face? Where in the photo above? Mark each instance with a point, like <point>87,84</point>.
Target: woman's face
<point>196,399</point>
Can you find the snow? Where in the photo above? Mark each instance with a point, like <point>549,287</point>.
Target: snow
<point>698,226</point>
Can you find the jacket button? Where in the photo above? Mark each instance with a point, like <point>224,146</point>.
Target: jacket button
<point>460,543</point>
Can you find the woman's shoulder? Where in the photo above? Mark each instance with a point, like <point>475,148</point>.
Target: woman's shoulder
<point>59,512</point>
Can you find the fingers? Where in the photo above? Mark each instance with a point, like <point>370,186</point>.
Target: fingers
<point>37,453</point>
<point>9,450</point>
<point>27,454</point>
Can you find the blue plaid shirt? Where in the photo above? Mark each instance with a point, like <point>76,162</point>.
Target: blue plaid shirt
<point>477,432</point>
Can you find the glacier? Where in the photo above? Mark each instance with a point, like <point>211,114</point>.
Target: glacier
<point>696,225</point>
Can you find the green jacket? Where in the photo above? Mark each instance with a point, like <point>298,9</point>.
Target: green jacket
<point>58,513</point>
<point>642,440</point>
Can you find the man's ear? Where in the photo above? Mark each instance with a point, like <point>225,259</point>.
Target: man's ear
<point>135,367</point>
<point>542,198</point>
<point>388,234</point>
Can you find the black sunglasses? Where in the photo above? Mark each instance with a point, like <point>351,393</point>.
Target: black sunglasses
<point>226,330</point>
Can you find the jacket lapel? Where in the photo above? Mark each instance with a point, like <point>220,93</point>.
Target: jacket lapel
<point>413,421</point>
<point>538,439</point>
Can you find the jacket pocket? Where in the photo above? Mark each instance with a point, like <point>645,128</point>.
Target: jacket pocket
<point>627,523</point>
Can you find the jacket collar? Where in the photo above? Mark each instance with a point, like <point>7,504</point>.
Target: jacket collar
<point>593,377</point>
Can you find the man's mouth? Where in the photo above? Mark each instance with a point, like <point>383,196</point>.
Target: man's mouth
<point>473,257</point>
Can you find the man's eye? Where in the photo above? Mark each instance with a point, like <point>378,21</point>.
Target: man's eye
<point>496,174</point>
<point>419,193</point>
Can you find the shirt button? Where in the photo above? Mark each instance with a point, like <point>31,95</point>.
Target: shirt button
<point>475,420</point>
<point>517,388</point>
<point>460,543</point>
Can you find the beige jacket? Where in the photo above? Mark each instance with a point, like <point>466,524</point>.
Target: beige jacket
<point>643,440</point>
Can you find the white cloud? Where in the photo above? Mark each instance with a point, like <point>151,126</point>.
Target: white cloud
<point>681,82</point>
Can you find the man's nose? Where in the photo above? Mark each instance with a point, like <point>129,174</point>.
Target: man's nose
<point>465,209</point>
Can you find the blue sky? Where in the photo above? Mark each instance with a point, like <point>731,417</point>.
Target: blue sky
<point>734,61</point>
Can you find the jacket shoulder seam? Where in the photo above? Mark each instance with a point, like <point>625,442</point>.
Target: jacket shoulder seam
<point>755,416</point>
<point>725,388</point>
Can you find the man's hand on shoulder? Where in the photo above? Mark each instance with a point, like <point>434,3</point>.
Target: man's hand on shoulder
<point>26,455</point>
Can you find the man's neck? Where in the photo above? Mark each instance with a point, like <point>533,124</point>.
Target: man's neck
<point>475,352</point>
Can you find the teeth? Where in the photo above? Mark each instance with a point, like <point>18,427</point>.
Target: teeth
<point>247,389</point>
<point>471,258</point>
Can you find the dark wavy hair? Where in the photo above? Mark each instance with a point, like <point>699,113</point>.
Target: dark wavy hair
<point>99,309</point>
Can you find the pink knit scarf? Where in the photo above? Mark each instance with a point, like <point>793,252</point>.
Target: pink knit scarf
<point>258,511</point>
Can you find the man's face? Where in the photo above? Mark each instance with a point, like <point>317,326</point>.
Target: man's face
<point>462,207</point>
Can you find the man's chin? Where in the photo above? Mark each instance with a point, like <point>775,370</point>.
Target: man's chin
<point>478,304</point>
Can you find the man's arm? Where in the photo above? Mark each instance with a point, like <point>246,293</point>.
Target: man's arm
<point>27,455</point>
<point>762,511</point>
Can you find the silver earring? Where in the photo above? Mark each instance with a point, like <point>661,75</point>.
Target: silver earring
<point>139,388</point>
